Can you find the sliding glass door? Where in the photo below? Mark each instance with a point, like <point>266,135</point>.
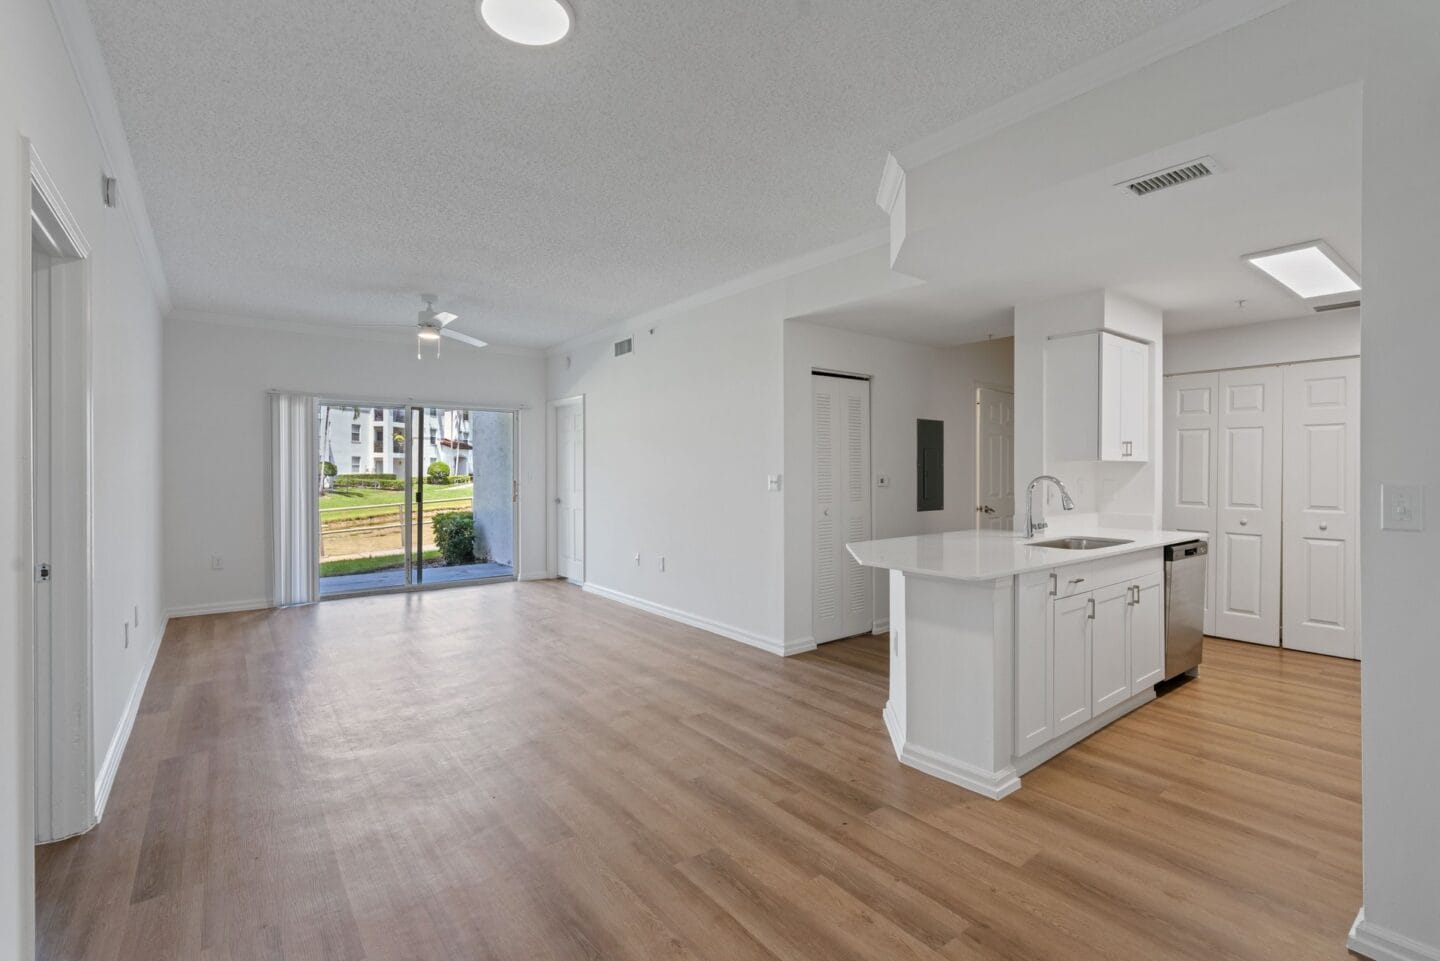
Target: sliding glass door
<point>415,496</point>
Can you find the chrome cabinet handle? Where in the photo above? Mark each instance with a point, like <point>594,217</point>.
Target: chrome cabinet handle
<point>1324,526</point>
<point>1054,584</point>
<point>1244,522</point>
<point>1091,615</point>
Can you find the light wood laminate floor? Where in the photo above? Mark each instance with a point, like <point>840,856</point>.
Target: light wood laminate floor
<point>529,772</point>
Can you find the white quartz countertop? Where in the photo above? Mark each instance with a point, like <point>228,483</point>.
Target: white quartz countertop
<point>988,555</point>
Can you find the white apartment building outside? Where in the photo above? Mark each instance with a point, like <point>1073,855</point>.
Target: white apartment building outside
<point>371,440</point>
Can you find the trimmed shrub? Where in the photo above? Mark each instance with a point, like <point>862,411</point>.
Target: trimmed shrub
<point>437,473</point>
<point>329,469</point>
<point>379,482</point>
<point>455,536</point>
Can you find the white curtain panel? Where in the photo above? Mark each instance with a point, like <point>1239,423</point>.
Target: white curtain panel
<point>294,499</point>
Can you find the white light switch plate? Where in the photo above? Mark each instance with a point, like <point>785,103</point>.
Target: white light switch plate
<point>1402,507</point>
<point>772,482</point>
<point>882,480</point>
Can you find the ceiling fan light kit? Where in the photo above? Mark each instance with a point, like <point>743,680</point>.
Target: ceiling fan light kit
<point>530,23</point>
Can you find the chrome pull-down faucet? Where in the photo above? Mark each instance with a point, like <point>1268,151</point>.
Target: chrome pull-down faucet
<point>1032,527</point>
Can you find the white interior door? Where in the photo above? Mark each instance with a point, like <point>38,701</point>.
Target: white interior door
<point>995,459</point>
<point>62,508</point>
<point>1248,514</point>
<point>570,490</point>
<point>1191,413</point>
<point>1322,467</point>
<point>843,593</point>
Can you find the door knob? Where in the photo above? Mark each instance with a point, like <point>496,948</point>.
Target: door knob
<point>1243,522</point>
<point>557,500</point>
<point>1324,526</point>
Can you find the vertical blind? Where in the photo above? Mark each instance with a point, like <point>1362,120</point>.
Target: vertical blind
<point>294,498</point>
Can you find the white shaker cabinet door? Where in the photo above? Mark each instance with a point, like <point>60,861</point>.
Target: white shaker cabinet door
<point>1110,658</point>
<point>1147,632</point>
<point>1070,671</point>
<point>1033,721</point>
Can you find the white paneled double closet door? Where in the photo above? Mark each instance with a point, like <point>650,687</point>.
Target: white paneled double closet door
<point>843,590</point>
<point>1266,461</point>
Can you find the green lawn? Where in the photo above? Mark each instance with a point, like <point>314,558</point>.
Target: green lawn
<point>368,565</point>
<point>362,502</point>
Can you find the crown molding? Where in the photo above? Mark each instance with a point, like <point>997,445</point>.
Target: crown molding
<point>1195,27</point>
<point>402,332</point>
<point>751,281</point>
<point>892,182</point>
<point>83,48</point>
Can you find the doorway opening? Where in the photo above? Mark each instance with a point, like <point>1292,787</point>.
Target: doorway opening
<point>567,489</point>
<point>994,459</point>
<point>415,496</point>
<point>67,796</point>
<point>843,598</point>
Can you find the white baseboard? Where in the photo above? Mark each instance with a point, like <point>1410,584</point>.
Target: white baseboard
<point>226,607</point>
<point>895,728</point>
<point>538,576</point>
<point>704,623</point>
<point>994,785</point>
<point>882,626</point>
<point>1381,944</point>
<point>105,776</point>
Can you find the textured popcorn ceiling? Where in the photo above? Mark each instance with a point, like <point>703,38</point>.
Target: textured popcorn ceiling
<point>325,162</point>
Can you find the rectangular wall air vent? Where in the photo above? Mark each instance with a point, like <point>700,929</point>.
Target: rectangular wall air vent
<point>623,347</point>
<point>1170,177</point>
<point>1342,305</point>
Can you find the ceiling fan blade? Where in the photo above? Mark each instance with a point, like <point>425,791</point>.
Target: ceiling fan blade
<point>445,317</point>
<point>463,338</point>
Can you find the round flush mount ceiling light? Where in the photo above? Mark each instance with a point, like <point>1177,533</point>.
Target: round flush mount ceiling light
<point>534,23</point>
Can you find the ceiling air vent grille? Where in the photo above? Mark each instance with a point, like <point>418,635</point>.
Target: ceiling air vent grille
<point>1342,305</point>
<point>1170,177</point>
<point>623,347</point>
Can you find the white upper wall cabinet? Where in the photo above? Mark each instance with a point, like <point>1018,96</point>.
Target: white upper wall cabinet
<point>1097,398</point>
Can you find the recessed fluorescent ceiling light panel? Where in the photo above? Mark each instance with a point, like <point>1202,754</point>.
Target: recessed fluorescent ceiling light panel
<point>1310,270</point>
<point>534,23</point>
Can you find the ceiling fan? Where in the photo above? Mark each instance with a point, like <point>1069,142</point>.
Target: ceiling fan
<point>432,324</point>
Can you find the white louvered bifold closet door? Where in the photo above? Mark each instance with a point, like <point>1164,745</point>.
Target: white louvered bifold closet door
<point>843,590</point>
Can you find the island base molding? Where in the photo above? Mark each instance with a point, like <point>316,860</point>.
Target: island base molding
<point>1006,780</point>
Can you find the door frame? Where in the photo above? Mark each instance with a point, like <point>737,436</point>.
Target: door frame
<point>552,485</point>
<point>65,795</point>
<point>874,574</point>
<point>411,405</point>
<point>1003,389</point>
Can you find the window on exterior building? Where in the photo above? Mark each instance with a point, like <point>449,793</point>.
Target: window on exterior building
<point>432,437</point>
<point>354,433</point>
<point>397,414</point>
<point>380,414</point>
<point>355,463</point>
<point>379,465</point>
<point>379,447</point>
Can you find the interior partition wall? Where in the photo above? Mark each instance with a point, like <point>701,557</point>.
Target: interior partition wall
<point>415,496</point>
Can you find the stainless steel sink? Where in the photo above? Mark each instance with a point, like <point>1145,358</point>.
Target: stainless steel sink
<point>1080,543</point>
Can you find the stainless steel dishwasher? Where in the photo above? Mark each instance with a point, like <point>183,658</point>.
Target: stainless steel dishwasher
<point>1184,606</point>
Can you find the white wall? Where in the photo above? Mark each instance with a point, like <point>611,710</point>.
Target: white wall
<point>1289,341</point>
<point>1111,493</point>
<point>908,381</point>
<point>217,482</point>
<point>40,98</point>
<point>679,438</point>
<point>1401,443</point>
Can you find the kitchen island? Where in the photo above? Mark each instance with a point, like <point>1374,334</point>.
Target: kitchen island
<point>1005,652</point>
